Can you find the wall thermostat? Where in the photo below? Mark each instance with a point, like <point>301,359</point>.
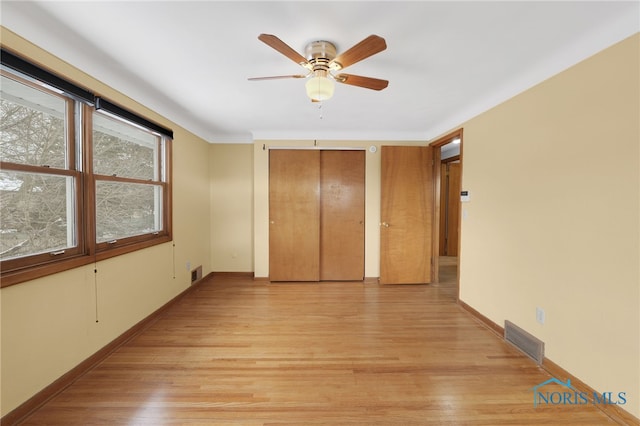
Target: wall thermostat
<point>373,148</point>
<point>465,196</point>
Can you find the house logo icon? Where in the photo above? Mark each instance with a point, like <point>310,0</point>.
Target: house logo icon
<point>547,397</point>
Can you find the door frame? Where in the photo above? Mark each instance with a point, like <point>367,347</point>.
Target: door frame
<point>437,144</point>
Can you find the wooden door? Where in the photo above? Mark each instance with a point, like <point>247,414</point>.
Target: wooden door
<point>406,229</point>
<point>453,209</point>
<point>444,193</point>
<point>449,208</point>
<point>294,215</point>
<point>342,180</point>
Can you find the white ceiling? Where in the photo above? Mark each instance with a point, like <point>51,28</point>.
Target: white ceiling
<point>446,61</point>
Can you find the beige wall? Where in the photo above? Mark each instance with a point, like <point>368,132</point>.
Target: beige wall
<point>231,207</point>
<point>49,325</point>
<point>553,217</point>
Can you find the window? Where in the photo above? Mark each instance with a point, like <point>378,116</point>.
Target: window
<point>38,178</point>
<point>78,182</point>
<point>128,166</point>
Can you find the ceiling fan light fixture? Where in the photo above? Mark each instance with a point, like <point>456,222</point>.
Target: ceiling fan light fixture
<point>322,60</point>
<point>320,88</point>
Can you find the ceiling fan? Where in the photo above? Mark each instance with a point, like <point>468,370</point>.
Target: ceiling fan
<point>322,61</point>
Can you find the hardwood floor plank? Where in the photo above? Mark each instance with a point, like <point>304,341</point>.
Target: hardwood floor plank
<point>240,352</point>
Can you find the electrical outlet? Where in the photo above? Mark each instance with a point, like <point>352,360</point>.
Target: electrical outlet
<point>540,315</point>
<point>187,266</point>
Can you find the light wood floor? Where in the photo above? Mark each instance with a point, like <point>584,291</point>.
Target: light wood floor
<point>240,352</point>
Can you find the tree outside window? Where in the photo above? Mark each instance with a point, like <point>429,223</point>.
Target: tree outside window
<point>76,184</point>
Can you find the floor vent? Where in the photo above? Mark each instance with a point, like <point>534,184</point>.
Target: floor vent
<point>196,274</point>
<point>530,345</point>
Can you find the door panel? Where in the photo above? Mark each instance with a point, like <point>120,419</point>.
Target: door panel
<point>294,211</point>
<point>449,208</point>
<point>444,194</point>
<point>453,209</point>
<point>342,179</point>
<point>406,214</point>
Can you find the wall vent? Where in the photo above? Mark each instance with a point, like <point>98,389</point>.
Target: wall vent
<point>196,274</point>
<point>527,343</point>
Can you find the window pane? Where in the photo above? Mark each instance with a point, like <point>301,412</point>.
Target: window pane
<point>123,150</point>
<point>31,126</point>
<point>127,209</point>
<point>37,213</point>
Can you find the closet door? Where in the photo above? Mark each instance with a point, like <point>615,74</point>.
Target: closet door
<point>342,190</point>
<point>294,215</point>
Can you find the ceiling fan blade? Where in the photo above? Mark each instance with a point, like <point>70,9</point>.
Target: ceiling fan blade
<point>277,77</point>
<point>366,82</point>
<point>284,48</point>
<point>367,47</point>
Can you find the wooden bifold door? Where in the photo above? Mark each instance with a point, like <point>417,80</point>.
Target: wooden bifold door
<point>316,215</point>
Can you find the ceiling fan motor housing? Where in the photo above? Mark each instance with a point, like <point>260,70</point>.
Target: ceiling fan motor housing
<point>320,53</point>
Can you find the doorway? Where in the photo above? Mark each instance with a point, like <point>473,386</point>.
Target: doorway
<point>449,199</point>
<point>448,161</point>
